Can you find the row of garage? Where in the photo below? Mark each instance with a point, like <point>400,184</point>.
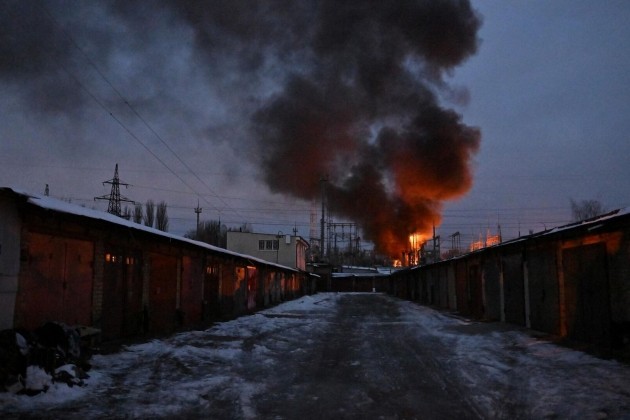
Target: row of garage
<point>65,263</point>
<point>572,281</point>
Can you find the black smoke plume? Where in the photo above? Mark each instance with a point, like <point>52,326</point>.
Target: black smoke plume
<point>366,113</point>
<point>348,90</point>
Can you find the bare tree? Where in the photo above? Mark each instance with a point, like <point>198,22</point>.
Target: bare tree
<point>149,213</point>
<point>246,227</point>
<point>161,217</point>
<point>126,214</point>
<point>137,213</point>
<point>210,232</point>
<point>586,209</point>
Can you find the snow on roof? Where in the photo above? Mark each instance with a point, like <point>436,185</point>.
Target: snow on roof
<point>371,274</point>
<point>356,271</point>
<point>53,204</point>
<point>594,221</point>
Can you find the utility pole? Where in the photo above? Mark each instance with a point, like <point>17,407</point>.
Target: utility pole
<point>499,227</point>
<point>114,196</point>
<point>322,182</point>
<point>455,242</point>
<point>436,246</point>
<point>47,191</point>
<point>198,211</point>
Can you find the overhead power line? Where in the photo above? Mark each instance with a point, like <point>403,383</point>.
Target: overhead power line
<point>137,114</point>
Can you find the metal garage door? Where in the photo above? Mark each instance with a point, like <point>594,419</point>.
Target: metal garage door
<point>586,293</point>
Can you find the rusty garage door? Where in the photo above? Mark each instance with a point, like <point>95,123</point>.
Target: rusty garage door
<point>122,293</point>
<point>56,281</point>
<point>163,293</point>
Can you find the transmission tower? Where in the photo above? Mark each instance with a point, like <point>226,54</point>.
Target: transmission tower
<point>343,241</point>
<point>114,196</point>
<point>455,242</point>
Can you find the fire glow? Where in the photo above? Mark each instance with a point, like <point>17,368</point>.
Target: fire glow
<point>366,114</point>
<point>387,73</point>
<point>416,241</point>
<point>354,91</point>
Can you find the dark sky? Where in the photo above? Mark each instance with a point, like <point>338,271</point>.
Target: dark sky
<point>417,112</point>
<point>550,89</point>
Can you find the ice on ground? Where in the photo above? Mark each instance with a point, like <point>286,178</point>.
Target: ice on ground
<point>538,378</point>
<point>505,371</point>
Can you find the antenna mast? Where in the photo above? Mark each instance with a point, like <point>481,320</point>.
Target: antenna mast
<point>322,182</point>
<point>198,211</point>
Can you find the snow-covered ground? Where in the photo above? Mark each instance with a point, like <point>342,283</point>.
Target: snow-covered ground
<point>538,379</point>
<point>225,370</point>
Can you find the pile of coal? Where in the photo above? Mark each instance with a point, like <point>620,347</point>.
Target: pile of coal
<point>31,361</point>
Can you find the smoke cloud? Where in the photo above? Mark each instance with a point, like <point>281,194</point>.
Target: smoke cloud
<point>352,91</point>
<point>366,114</point>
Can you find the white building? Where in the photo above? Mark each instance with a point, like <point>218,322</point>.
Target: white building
<point>283,249</point>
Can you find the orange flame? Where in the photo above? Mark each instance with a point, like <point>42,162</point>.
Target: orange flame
<point>416,240</point>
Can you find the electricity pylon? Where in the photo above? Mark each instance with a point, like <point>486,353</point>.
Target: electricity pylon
<point>114,196</point>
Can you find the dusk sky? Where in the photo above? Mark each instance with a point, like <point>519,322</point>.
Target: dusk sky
<point>244,106</point>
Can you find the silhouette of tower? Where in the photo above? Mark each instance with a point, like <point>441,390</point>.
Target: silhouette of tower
<point>114,196</point>
<point>198,211</point>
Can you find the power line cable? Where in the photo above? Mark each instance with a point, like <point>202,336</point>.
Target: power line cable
<point>137,114</point>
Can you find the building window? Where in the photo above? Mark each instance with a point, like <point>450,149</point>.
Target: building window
<point>268,245</point>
